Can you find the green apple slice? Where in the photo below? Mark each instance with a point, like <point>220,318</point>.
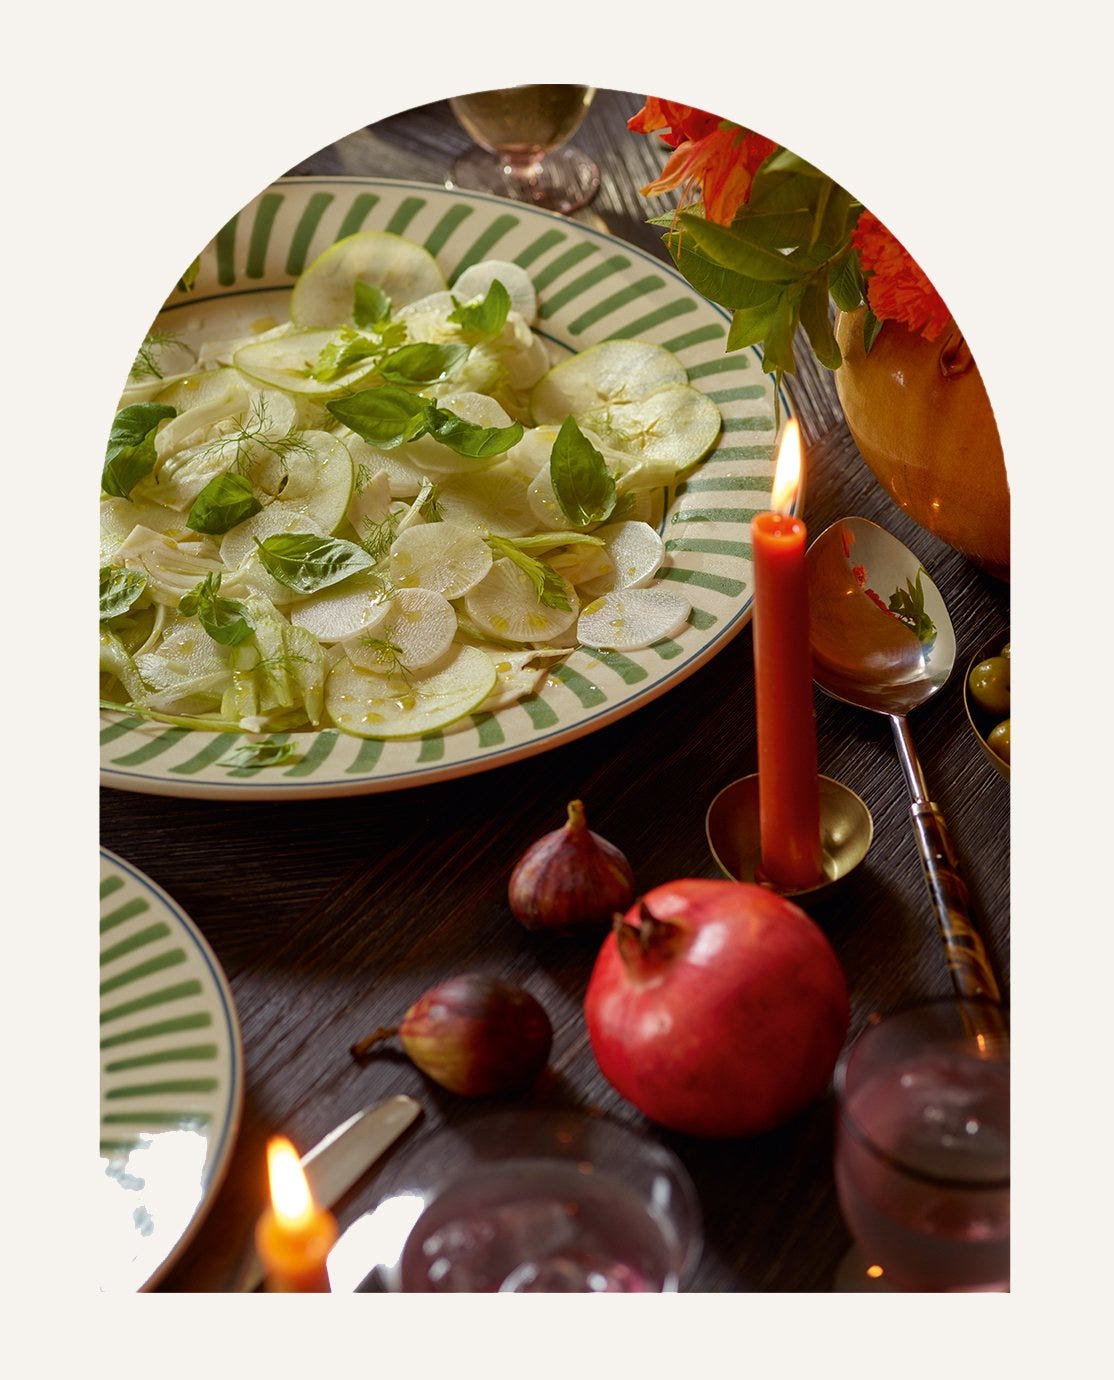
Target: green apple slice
<point>324,295</point>
<point>614,371</point>
<point>406,706</point>
<point>286,362</point>
<point>677,424</point>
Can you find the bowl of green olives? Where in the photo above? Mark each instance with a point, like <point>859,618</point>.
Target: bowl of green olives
<point>986,697</point>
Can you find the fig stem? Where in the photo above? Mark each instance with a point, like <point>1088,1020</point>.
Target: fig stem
<point>361,1047</point>
<point>576,815</point>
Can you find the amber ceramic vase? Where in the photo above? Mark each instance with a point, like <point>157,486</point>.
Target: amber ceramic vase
<point>921,419</point>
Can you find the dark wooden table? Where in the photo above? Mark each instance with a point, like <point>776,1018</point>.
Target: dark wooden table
<point>331,916</point>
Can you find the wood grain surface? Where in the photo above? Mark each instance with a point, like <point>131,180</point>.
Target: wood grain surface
<point>331,916</point>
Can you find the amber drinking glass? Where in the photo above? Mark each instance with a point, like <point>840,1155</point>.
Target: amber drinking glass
<point>522,153</point>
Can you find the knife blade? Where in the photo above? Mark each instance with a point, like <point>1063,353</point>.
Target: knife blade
<point>342,1157</point>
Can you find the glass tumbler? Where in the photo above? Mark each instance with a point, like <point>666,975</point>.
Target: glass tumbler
<point>540,1202</point>
<point>922,1160</point>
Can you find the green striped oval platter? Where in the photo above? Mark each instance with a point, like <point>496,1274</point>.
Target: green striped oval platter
<point>591,287</point>
<point>171,1080</point>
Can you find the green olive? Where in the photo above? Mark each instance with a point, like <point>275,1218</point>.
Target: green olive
<point>999,740</point>
<point>1006,651</point>
<point>989,684</point>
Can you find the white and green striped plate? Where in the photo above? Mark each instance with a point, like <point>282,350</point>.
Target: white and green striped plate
<point>171,1079</point>
<point>591,287</point>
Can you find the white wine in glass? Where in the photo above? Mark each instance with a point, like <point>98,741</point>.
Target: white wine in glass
<point>522,153</point>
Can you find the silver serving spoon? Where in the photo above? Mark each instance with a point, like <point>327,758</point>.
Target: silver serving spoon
<point>882,640</point>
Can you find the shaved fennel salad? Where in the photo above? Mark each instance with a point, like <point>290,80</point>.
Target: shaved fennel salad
<point>388,512</point>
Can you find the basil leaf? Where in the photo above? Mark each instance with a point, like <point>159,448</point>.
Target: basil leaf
<point>224,502</point>
<point>871,326</point>
<point>267,753</point>
<point>347,347</point>
<point>370,306</point>
<point>306,563</point>
<point>581,480</point>
<point>548,585</point>
<point>421,363</point>
<point>130,454</point>
<point>468,438</point>
<point>384,417</point>
<point>486,318</point>
<point>120,588</point>
<point>225,620</point>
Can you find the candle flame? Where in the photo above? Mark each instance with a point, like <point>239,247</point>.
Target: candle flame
<point>787,473</point>
<point>290,1196</point>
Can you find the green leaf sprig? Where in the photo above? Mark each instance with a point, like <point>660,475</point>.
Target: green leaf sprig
<point>130,454</point>
<point>483,320</point>
<point>584,486</point>
<point>226,500</point>
<point>120,588</point>
<point>390,416</point>
<point>265,753</point>
<point>307,563</point>
<point>785,257</point>
<point>225,620</point>
<point>548,585</point>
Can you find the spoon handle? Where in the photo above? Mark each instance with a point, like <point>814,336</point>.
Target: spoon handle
<point>968,964</point>
<point>971,973</point>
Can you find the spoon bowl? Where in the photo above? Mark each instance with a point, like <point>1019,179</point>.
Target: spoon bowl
<point>880,632</point>
<point>882,641</point>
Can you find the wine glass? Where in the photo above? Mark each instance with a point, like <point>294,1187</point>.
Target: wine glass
<point>539,1202</point>
<point>521,133</point>
<point>922,1160</point>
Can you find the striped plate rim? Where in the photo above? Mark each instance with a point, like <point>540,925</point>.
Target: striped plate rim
<point>171,1059</point>
<point>591,287</point>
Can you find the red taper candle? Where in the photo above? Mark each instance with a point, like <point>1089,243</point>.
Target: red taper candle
<point>788,784</point>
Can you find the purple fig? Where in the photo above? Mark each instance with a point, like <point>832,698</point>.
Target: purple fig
<point>569,878</point>
<point>473,1034</point>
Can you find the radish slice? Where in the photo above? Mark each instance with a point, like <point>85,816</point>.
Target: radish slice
<point>354,608</point>
<point>628,619</point>
<point>406,706</point>
<point>636,552</point>
<point>405,479</point>
<point>505,605</point>
<point>475,281</point>
<point>417,631</point>
<point>443,556</point>
<point>492,501</point>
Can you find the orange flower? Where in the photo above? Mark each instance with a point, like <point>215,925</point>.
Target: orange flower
<point>897,287</point>
<point>680,122</point>
<point>714,155</point>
